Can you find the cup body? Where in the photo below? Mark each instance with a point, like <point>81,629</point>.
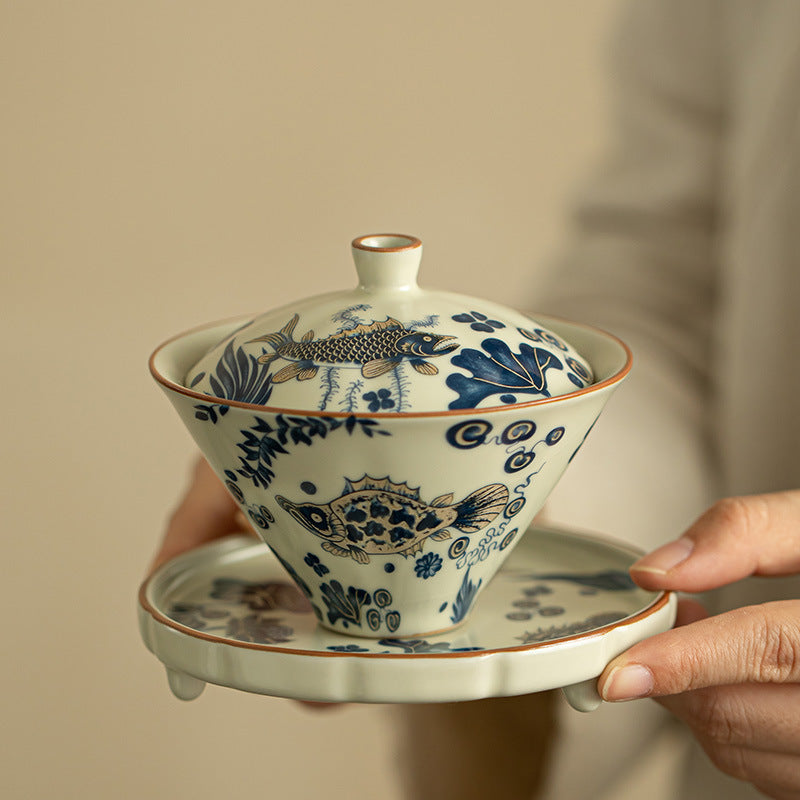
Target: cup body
<point>391,524</point>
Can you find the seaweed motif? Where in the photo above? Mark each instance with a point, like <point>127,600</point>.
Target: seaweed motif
<point>464,598</point>
<point>500,371</point>
<point>209,412</point>
<point>401,385</point>
<point>330,386</point>
<point>348,318</point>
<point>342,605</point>
<point>429,321</point>
<point>350,400</point>
<point>264,442</point>
<point>240,377</point>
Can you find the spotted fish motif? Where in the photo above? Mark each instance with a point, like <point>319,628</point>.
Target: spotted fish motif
<point>377,517</point>
<point>376,348</point>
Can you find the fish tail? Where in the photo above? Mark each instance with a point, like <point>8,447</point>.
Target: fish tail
<point>283,336</point>
<point>477,510</point>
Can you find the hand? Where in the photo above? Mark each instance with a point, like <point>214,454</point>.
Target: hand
<point>206,512</point>
<point>733,678</point>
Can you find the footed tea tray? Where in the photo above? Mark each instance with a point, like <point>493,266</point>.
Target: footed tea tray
<point>561,607</point>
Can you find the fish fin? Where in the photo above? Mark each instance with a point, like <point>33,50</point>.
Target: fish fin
<point>267,358</point>
<point>413,550</point>
<point>294,370</point>
<point>357,554</point>
<point>308,336</point>
<point>440,536</point>
<point>288,329</point>
<point>443,500</point>
<point>423,367</point>
<point>378,367</point>
<point>274,339</point>
<point>334,549</point>
<point>282,336</point>
<point>478,509</point>
<point>380,485</point>
<point>307,373</point>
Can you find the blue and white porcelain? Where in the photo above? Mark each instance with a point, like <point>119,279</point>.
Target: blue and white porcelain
<point>560,608</point>
<point>389,443</point>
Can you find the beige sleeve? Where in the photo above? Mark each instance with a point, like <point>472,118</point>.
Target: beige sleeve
<point>641,262</point>
<point>495,748</point>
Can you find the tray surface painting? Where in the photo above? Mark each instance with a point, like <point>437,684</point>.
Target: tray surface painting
<point>559,610</point>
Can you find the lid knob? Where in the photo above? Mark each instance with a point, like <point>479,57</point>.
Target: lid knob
<point>387,261</point>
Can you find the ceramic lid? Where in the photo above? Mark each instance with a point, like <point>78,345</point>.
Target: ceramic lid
<point>389,346</point>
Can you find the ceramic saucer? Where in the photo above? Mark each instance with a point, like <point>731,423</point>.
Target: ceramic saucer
<point>559,610</point>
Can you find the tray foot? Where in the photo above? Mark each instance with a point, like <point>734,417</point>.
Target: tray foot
<point>184,687</point>
<point>583,696</point>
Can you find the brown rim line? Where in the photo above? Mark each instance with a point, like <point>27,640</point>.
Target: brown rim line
<point>457,412</point>
<point>658,603</point>
<point>386,242</point>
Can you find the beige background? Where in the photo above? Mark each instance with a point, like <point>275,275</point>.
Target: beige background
<point>167,163</point>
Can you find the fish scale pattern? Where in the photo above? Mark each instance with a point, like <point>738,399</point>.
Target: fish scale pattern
<point>358,348</point>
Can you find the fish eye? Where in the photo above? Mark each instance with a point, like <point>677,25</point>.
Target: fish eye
<point>315,517</point>
<point>427,338</point>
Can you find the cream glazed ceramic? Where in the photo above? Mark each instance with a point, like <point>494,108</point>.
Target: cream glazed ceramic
<point>560,608</point>
<point>389,444</point>
<point>389,345</point>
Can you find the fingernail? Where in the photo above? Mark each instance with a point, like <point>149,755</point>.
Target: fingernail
<point>628,683</point>
<point>665,558</point>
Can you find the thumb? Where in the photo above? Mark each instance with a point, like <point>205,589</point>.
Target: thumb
<point>754,644</point>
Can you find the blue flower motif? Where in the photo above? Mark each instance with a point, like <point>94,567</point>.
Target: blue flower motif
<point>315,564</point>
<point>380,400</point>
<point>428,565</point>
<point>347,648</point>
<point>479,322</point>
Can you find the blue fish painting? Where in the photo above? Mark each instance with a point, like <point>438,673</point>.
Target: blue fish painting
<point>377,517</point>
<point>376,348</point>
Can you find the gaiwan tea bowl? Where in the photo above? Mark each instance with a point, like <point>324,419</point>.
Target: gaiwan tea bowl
<point>390,444</point>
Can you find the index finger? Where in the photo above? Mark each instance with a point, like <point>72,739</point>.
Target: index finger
<point>737,537</point>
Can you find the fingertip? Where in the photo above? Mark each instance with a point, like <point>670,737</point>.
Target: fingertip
<point>626,682</point>
<point>659,563</point>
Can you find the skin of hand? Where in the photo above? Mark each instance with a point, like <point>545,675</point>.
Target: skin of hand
<point>205,513</point>
<point>734,679</point>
